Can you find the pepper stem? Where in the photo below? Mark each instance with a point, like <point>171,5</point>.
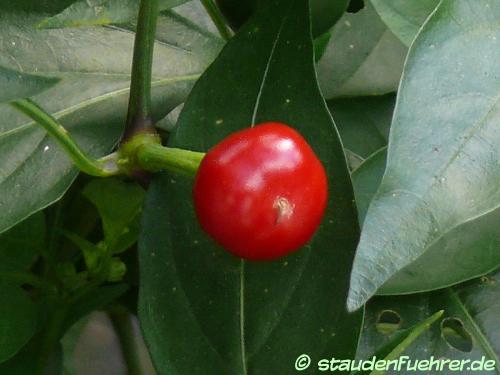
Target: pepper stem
<point>100,168</point>
<point>154,157</point>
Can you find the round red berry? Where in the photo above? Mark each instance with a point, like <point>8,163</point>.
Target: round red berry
<point>261,192</point>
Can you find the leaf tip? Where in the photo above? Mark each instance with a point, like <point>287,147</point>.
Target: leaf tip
<point>355,300</point>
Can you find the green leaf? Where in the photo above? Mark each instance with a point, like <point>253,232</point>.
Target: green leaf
<point>100,12</point>
<point>320,44</point>
<point>40,6</point>
<point>21,245</point>
<point>324,13</point>
<point>95,299</point>
<point>18,320</point>
<point>195,11</point>
<point>363,122</point>
<point>92,254</point>
<point>422,273</point>
<point>98,260</point>
<point>468,331</point>
<point>401,340</point>
<point>119,205</point>
<point>229,315</point>
<point>27,359</point>
<point>408,339</point>
<point>353,160</point>
<point>439,198</point>
<point>366,180</point>
<point>17,85</point>
<point>405,17</point>
<point>90,100</point>
<point>363,57</point>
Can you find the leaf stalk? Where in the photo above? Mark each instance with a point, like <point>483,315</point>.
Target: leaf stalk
<point>217,18</point>
<point>93,167</point>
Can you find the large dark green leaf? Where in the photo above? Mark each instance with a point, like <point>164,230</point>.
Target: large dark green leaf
<point>20,246</point>
<point>90,100</point>
<point>100,12</point>
<point>16,85</point>
<point>204,311</point>
<point>363,57</point>
<point>324,13</point>
<point>26,361</point>
<point>440,194</point>
<point>18,319</point>
<point>469,329</point>
<point>405,17</point>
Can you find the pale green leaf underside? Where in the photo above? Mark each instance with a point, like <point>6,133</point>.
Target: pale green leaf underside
<point>405,17</point>
<point>90,100</point>
<point>100,12</point>
<point>441,182</point>
<point>362,58</point>
<point>17,85</point>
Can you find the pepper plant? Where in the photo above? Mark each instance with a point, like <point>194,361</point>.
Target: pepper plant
<point>266,187</point>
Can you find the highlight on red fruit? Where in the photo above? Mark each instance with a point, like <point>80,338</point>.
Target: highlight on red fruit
<point>261,192</point>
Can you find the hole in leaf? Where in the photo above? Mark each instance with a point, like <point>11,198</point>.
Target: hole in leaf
<point>488,280</point>
<point>355,6</point>
<point>455,334</point>
<point>388,322</point>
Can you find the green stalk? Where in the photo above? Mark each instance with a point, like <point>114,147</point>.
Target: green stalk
<point>98,168</point>
<point>52,335</point>
<point>143,150</point>
<point>217,18</point>
<point>122,323</point>
<point>139,108</point>
<point>154,157</point>
<point>414,334</point>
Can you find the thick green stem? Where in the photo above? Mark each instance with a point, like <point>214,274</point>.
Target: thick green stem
<point>139,109</point>
<point>99,168</point>
<point>122,322</point>
<point>217,18</point>
<point>52,335</point>
<point>154,157</point>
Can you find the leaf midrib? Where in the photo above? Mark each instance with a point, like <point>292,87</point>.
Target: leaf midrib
<point>254,117</point>
<point>476,331</point>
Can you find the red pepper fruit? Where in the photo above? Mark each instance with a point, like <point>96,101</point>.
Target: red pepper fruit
<point>261,192</point>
